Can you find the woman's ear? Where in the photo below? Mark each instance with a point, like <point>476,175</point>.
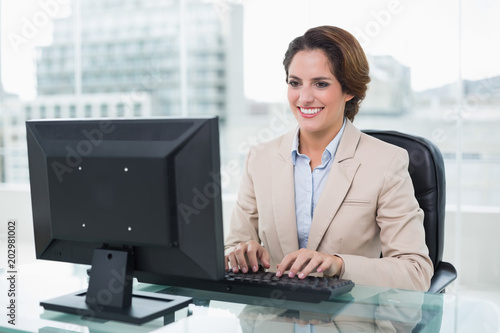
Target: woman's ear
<point>348,97</point>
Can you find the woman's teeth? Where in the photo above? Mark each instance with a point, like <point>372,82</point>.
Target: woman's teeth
<point>310,110</point>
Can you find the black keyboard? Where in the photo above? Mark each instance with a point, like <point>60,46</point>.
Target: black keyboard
<point>266,284</point>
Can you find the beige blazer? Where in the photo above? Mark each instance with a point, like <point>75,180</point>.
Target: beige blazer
<point>367,207</point>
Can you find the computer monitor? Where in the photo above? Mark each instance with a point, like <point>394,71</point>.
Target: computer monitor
<point>131,197</point>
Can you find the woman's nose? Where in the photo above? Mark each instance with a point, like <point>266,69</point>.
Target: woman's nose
<point>306,96</point>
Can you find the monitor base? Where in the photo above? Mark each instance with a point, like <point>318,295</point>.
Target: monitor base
<point>145,307</point>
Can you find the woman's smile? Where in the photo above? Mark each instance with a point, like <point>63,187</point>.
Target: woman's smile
<point>309,112</point>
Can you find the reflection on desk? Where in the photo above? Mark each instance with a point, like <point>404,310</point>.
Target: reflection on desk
<point>366,308</point>
<point>389,311</point>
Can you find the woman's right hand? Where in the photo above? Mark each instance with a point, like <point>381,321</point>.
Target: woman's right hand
<point>247,254</point>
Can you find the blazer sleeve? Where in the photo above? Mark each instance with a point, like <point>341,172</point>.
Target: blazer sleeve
<point>245,216</point>
<point>405,261</point>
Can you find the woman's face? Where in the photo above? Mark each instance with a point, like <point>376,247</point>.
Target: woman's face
<point>315,96</point>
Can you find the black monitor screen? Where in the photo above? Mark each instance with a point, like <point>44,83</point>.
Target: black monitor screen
<point>150,187</point>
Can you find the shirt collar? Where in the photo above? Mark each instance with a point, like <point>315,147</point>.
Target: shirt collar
<point>330,150</point>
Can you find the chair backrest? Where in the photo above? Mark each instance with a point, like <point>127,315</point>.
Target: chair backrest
<point>426,169</point>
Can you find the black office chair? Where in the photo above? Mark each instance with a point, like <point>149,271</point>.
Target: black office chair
<point>427,173</point>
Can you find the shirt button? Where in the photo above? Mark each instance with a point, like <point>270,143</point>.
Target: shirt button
<point>316,171</point>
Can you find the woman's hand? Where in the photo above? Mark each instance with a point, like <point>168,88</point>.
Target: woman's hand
<point>306,261</point>
<point>251,251</point>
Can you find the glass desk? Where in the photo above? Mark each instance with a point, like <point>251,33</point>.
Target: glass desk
<point>365,309</point>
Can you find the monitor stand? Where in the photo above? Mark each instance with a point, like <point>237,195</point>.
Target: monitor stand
<point>109,295</point>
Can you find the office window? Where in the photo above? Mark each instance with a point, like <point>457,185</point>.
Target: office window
<point>28,112</point>
<point>137,109</point>
<point>72,111</point>
<point>104,110</point>
<point>57,111</point>
<point>120,110</point>
<point>88,110</point>
<point>43,111</point>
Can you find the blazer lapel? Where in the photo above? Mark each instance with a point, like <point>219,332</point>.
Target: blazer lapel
<point>337,185</point>
<point>283,196</point>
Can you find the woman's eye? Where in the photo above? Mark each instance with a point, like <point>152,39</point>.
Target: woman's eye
<point>322,84</point>
<point>293,83</point>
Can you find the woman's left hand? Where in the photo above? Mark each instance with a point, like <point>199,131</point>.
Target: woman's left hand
<point>304,261</point>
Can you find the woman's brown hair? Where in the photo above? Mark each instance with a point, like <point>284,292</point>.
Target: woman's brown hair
<point>347,60</point>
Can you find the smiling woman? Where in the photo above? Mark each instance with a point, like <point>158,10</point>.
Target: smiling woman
<point>345,59</point>
<point>317,101</point>
<point>330,199</point>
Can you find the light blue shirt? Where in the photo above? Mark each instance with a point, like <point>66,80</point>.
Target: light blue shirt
<point>309,184</point>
